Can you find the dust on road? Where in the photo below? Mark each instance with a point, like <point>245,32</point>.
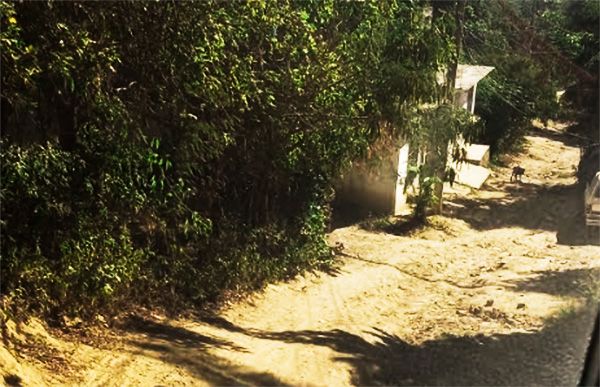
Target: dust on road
<point>496,292</point>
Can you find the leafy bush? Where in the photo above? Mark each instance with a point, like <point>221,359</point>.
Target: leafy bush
<point>523,84</point>
<point>169,152</point>
<point>433,130</point>
<point>507,102</point>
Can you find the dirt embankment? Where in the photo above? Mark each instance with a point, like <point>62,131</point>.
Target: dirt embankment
<point>494,292</point>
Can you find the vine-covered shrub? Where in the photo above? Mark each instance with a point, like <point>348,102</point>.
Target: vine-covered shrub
<point>524,83</point>
<point>62,243</point>
<point>167,152</point>
<point>79,235</point>
<point>434,130</point>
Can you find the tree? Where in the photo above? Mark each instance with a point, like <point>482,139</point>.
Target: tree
<point>520,87</point>
<point>166,152</point>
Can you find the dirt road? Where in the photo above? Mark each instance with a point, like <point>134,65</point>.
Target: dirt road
<point>493,293</point>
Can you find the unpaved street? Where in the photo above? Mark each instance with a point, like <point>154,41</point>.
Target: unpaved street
<point>492,293</point>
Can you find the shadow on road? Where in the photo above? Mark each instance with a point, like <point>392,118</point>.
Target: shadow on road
<point>190,350</point>
<point>556,208</point>
<point>346,214</point>
<point>551,356</point>
<point>566,138</point>
<point>175,335</point>
<point>13,380</point>
<point>574,282</point>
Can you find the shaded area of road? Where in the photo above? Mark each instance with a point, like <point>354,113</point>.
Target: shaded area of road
<point>574,282</point>
<point>553,355</point>
<point>186,349</point>
<point>562,208</point>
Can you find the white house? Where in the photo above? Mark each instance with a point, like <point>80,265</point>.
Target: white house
<point>380,188</point>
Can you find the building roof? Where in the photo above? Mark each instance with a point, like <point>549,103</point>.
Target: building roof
<point>467,76</point>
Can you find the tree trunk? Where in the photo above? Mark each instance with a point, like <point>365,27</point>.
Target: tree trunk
<point>459,16</point>
<point>5,110</point>
<point>441,154</point>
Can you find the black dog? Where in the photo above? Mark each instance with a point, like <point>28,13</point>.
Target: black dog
<point>517,173</point>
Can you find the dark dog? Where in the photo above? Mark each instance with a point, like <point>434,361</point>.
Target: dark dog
<point>517,173</point>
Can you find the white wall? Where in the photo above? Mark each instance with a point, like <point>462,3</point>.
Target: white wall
<point>400,196</point>
<point>373,186</point>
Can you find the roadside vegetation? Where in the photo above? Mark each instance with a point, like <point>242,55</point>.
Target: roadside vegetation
<point>538,48</point>
<point>165,154</point>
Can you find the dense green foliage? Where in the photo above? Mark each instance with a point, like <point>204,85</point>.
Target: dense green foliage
<point>519,88</point>
<point>167,152</point>
<point>580,22</point>
<point>435,130</point>
<point>537,48</point>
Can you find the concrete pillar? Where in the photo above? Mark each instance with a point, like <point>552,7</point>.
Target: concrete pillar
<point>473,99</point>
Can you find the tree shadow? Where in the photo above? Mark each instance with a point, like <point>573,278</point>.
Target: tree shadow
<point>399,225</point>
<point>13,380</point>
<point>573,282</point>
<point>585,127</point>
<point>557,135</point>
<point>556,208</point>
<point>332,269</point>
<point>190,350</point>
<point>175,335</point>
<point>345,213</point>
<point>222,323</point>
<point>551,356</point>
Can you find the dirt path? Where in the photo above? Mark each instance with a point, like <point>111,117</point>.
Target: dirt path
<point>492,293</point>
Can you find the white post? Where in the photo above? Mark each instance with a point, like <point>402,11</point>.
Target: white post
<point>473,99</point>
<point>402,170</point>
